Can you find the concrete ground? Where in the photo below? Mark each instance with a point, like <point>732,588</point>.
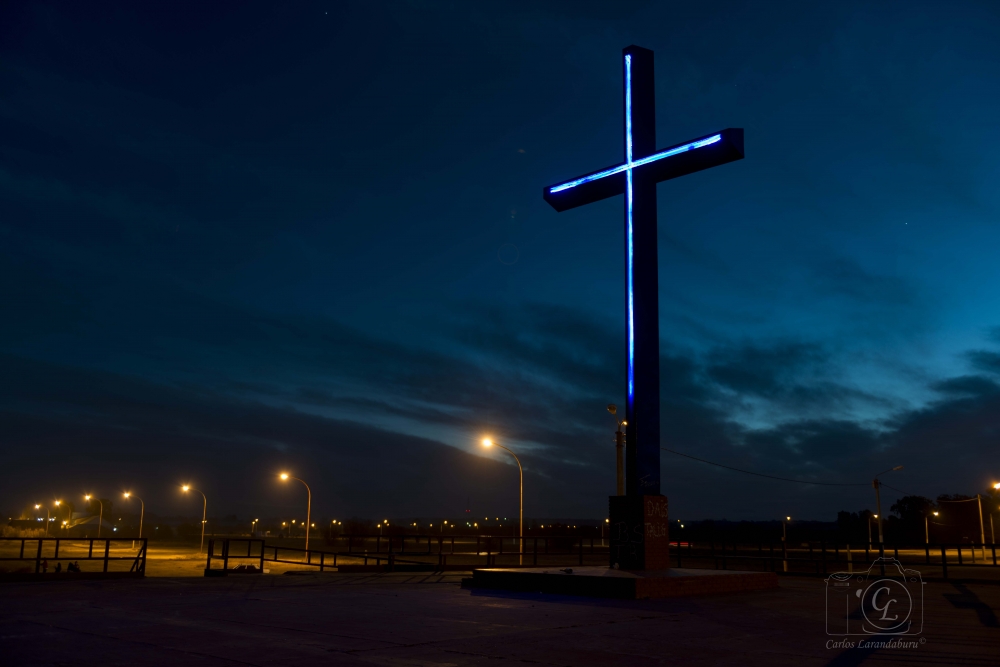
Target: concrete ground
<point>408,619</point>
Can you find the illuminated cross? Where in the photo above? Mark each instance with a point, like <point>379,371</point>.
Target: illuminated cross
<point>636,178</point>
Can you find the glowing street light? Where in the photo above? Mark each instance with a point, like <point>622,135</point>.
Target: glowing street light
<point>204,513</point>
<point>487,442</point>
<point>142,512</point>
<point>100,517</point>
<point>309,499</point>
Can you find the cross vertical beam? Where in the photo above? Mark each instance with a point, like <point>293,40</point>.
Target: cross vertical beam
<point>642,433</point>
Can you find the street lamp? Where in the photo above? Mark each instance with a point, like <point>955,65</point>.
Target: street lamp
<point>204,513</point>
<point>57,503</point>
<point>252,524</point>
<point>100,517</point>
<point>142,512</point>
<point>927,529</point>
<point>869,522</point>
<point>878,503</point>
<point>309,499</point>
<point>487,442</point>
<point>37,507</point>
<point>784,542</point>
<point>619,450</point>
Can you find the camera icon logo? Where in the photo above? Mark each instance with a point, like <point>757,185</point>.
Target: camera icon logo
<point>887,599</point>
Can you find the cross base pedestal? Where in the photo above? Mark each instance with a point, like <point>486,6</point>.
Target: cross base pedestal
<point>640,533</point>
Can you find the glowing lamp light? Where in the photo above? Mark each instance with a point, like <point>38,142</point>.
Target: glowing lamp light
<point>997,486</point>
<point>185,488</point>
<point>126,494</point>
<point>935,513</point>
<point>487,442</point>
<point>788,518</point>
<point>284,475</point>
<point>38,506</point>
<point>58,503</point>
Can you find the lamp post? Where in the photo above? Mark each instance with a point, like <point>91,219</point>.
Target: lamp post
<point>927,529</point>
<point>878,503</point>
<point>309,499</point>
<point>784,542</point>
<point>38,506</point>
<point>58,503</point>
<point>142,513</point>
<point>100,517</point>
<point>204,514</point>
<point>253,525</point>
<point>869,522</point>
<point>487,442</point>
<point>619,450</point>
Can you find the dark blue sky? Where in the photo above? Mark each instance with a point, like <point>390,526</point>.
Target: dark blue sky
<point>237,238</point>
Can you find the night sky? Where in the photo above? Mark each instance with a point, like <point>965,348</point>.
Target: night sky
<point>238,238</point>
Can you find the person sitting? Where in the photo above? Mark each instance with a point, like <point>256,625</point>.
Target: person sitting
<point>58,568</point>
<point>45,566</point>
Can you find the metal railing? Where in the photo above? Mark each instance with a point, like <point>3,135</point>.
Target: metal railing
<point>447,552</point>
<point>424,551</point>
<point>821,559</point>
<point>37,550</point>
<point>491,547</point>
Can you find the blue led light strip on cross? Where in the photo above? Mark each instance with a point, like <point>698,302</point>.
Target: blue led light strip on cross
<point>628,195</point>
<point>638,163</point>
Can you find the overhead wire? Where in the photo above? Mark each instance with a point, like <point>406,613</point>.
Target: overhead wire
<point>758,474</point>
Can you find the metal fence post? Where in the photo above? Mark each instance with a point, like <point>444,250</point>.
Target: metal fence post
<point>107,551</point>
<point>38,557</point>
<point>944,562</point>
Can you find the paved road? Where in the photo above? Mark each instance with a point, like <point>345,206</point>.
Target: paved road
<point>398,619</point>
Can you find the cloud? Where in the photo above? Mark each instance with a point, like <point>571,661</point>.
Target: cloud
<point>984,360</point>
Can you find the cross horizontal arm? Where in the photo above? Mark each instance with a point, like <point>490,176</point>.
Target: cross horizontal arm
<point>687,158</point>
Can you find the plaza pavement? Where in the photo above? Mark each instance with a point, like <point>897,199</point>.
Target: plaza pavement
<point>427,619</point>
